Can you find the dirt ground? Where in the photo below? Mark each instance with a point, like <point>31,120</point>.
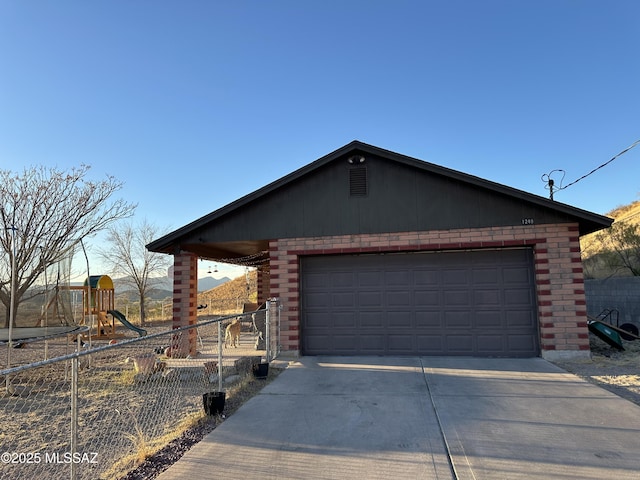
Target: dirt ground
<point>612,369</point>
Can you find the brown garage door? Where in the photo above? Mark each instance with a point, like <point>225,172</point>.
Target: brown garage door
<point>475,303</point>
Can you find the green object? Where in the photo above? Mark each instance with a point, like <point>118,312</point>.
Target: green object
<point>123,320</point>
<point>606,334</point>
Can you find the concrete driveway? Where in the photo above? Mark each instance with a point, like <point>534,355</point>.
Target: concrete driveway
<point>422,418</point>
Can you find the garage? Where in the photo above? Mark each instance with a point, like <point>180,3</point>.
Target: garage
<point>473,303</point>
<point>371,252</point>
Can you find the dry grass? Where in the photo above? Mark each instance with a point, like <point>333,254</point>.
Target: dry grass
<point>196,428</point>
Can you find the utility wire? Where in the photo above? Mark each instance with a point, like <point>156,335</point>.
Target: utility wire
<point>601,166</point>
<point>551,186</point>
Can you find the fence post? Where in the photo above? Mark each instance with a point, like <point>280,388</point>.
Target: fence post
<point>268,330</point>
<point>219,356</point>
<point>74,414</point>
<point>277,330</point>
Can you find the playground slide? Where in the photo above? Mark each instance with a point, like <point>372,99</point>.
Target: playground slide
<point>120,316</point>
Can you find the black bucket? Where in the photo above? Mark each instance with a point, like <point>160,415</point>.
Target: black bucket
<point>260,370</point>
<point>213,402</point>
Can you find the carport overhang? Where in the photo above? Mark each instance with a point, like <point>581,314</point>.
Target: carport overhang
<point>244,253</point>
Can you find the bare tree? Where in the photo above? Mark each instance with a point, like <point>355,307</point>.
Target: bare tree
<point>47,211</point>
<point>127,255</point>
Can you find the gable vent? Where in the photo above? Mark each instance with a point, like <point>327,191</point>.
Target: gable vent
<point>358,181</point>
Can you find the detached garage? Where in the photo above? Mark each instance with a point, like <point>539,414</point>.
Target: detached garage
<point>374,253</point>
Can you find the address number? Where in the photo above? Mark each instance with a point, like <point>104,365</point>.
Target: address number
<point>527,221</point>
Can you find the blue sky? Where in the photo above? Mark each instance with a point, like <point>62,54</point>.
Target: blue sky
<point>211,100</point>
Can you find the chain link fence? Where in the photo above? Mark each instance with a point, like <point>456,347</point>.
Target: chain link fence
<point>98,412</point>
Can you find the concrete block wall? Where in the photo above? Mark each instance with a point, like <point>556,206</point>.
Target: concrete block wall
<point>558,274</point>
<point>620,293</point>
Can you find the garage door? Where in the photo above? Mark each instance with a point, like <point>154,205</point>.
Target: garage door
<point>475,303</point>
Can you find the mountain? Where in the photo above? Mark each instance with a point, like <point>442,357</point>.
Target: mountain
<point>163,286</point>
<point>231,296</point>
<point>207,283</point>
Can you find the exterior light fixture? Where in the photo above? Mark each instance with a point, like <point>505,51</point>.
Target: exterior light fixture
<point>356,159</point>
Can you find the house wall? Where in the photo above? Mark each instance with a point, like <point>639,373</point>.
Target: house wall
<point>558,274</point>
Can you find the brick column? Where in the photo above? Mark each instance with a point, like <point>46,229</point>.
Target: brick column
<point>185,292</point>
<point>262,274</point>
<point>561,299</point>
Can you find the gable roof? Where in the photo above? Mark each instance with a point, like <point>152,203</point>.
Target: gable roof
<point>175,241</point>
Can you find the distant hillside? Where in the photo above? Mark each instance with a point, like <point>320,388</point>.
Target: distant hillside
<point>161,287</point>
<point>627,213</point>
<point>593,259</point>
<point>230,296</point>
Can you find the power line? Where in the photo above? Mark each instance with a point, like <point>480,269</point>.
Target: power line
<point>551,184</point>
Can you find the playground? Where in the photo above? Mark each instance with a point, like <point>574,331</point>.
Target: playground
<point>59,322</point>
<point>99,311</point>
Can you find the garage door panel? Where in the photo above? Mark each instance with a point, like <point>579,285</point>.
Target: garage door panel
<point>317,300</point>
<point>398,278</point>
<point>482,298</point>
<point>516,274</point>
<point>340,279</point>
<point>428,320</point>
<point>343,299</point>
<point>455,277</point>
<point>486,276</point>
<point>344,320</point>
<point>371,319</point>
<point>453,303</point>
<point>398,298</point>
<point>345,342</point>
<point>319,320</point>
<point>398,344</point>
<point>370,279</point>
<point>490,344</point>
<point>316,342</point>
<point>426,277</point>
<point>459,344</point>
<point>370,299</point>
<point>524,319</point>
<point>372,344</point>
<point>430,343</point>
<point>458,319</point>
<point>456,298</point>
<point>426,297</point>
<point>399,319</point>
<point>488,319</point>
<point>520,343</point>
<point>317,280</point>
<point>517,296</point>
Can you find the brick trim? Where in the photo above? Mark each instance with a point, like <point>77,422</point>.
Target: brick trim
<point>557,270</point>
